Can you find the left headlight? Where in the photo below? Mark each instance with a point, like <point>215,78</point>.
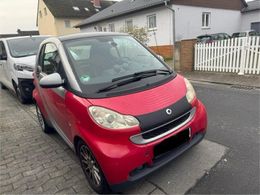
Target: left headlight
<point>111,119</point>
<point>190,94</point>
<point>22,67</point>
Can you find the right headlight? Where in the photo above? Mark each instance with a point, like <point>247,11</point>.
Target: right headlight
<point>111,119</point>
<point>22,67</point>
<point>190,94</point>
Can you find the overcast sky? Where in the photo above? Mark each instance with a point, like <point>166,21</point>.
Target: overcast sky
<point>16,14</point>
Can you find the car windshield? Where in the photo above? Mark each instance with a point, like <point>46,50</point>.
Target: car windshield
<point>22,47</point>
<point>99,60</point>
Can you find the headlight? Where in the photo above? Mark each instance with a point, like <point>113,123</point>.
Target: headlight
<point>112,120</point>
<point>22,67</point>
<point>190,94</point>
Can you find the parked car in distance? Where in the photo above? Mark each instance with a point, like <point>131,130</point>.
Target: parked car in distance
<point>248,33</point>
<point>117,105</point>
<point>212,37</point>
<point>17,62</point>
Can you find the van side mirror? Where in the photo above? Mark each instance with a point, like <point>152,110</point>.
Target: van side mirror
<point>3,56</point>
<point>51,81</point>
<point>160,57</point>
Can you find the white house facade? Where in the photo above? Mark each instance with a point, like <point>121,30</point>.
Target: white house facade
<point>251,16</point>
<point>191,19</point>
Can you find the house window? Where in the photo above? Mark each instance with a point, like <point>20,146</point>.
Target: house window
<point>111,27</point>
<point>40,14</point>
<point>67,23</point>
<point>100,29</point>
<point>129,24</point>
<point>205,20</point>
<point>151,22</point>
<point>45,11</point>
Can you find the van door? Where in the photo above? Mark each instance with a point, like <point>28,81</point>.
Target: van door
<point>3,64</point>
<point>54,98</point>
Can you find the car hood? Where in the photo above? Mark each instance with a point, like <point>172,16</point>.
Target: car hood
<point>146,101</point>
<point>28,60</point>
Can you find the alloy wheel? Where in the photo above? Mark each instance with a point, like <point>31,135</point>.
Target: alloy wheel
<point>40,118</point>
<point>90,166</point>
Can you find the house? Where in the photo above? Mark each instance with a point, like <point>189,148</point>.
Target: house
<point>192,18</point>
<point>251,16</point>
<point>57,17</point>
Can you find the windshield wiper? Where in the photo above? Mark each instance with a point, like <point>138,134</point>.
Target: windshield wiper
<point>135,77</point>
<point>147,72</point>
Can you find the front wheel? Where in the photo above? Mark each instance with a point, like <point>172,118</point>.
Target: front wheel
<point>44,126</point>
<point>19,94</point>
<point>2,86</point>
<point>92,170</point>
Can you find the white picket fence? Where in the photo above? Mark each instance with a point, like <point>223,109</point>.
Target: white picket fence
<point>236,55</point>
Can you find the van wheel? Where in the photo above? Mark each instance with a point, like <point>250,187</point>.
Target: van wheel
<point>44,126</point>
<point>91,169</point>
<point>19,95</point>
<point>2,86</point>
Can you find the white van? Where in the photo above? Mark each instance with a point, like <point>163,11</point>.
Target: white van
<point>17,62</point>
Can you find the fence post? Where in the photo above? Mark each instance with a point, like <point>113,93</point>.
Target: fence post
<point>243,56</point>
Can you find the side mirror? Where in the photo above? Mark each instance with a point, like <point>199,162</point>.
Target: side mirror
<point>51,81</point>
<point>3,56</point>
<point>161,58</point>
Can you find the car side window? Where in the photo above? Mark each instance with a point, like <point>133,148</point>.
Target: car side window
<point>50,60</point>
<point>48,63</point>
<point>2,49</point>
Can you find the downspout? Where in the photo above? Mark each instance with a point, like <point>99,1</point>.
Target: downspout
<point>173,28</point>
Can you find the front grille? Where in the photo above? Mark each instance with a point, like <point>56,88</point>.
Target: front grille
<point>162,129</point>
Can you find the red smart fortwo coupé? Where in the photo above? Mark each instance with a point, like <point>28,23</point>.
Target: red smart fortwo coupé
<point>122,109</point>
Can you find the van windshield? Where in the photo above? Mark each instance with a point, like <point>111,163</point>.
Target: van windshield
<point>99,61</point>
<point>22,47</point>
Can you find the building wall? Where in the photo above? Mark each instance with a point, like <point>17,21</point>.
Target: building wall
<point>62,29</point>
<point>248,18</point>
<point>161,36</point>
<point>46,23</point>
<point>49,25</point>
<point>189,21</point>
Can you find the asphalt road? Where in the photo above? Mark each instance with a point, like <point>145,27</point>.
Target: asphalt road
<point>233,121</point>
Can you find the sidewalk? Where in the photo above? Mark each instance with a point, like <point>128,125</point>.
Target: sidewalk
<point>223,78</point>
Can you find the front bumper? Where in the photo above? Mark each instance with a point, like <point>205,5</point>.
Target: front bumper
<point>158,163</point>
<point>26,87</point>
<point>120,158</point>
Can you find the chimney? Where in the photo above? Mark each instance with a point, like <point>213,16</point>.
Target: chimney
<point>96,3</point>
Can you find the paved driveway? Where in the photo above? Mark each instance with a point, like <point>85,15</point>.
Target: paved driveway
<point>32,162</point>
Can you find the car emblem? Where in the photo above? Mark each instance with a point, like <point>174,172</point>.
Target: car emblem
<point>169,111</point>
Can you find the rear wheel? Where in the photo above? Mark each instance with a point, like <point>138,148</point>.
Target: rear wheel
<point>44,126</point>
<point>91,169</point>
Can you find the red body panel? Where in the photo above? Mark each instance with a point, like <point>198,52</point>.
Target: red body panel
<point>116,154</point>
<point>146,101</point>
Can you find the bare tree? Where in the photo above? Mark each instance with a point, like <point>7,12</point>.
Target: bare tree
<point>139,33</point>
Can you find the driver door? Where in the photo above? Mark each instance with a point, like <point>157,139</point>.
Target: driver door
<point>54,98</point>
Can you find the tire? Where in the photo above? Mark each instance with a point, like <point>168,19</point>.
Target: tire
<point>91,169</point>
<point>42,122</point>
<point>19,95</point>
<point>2,86</point>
